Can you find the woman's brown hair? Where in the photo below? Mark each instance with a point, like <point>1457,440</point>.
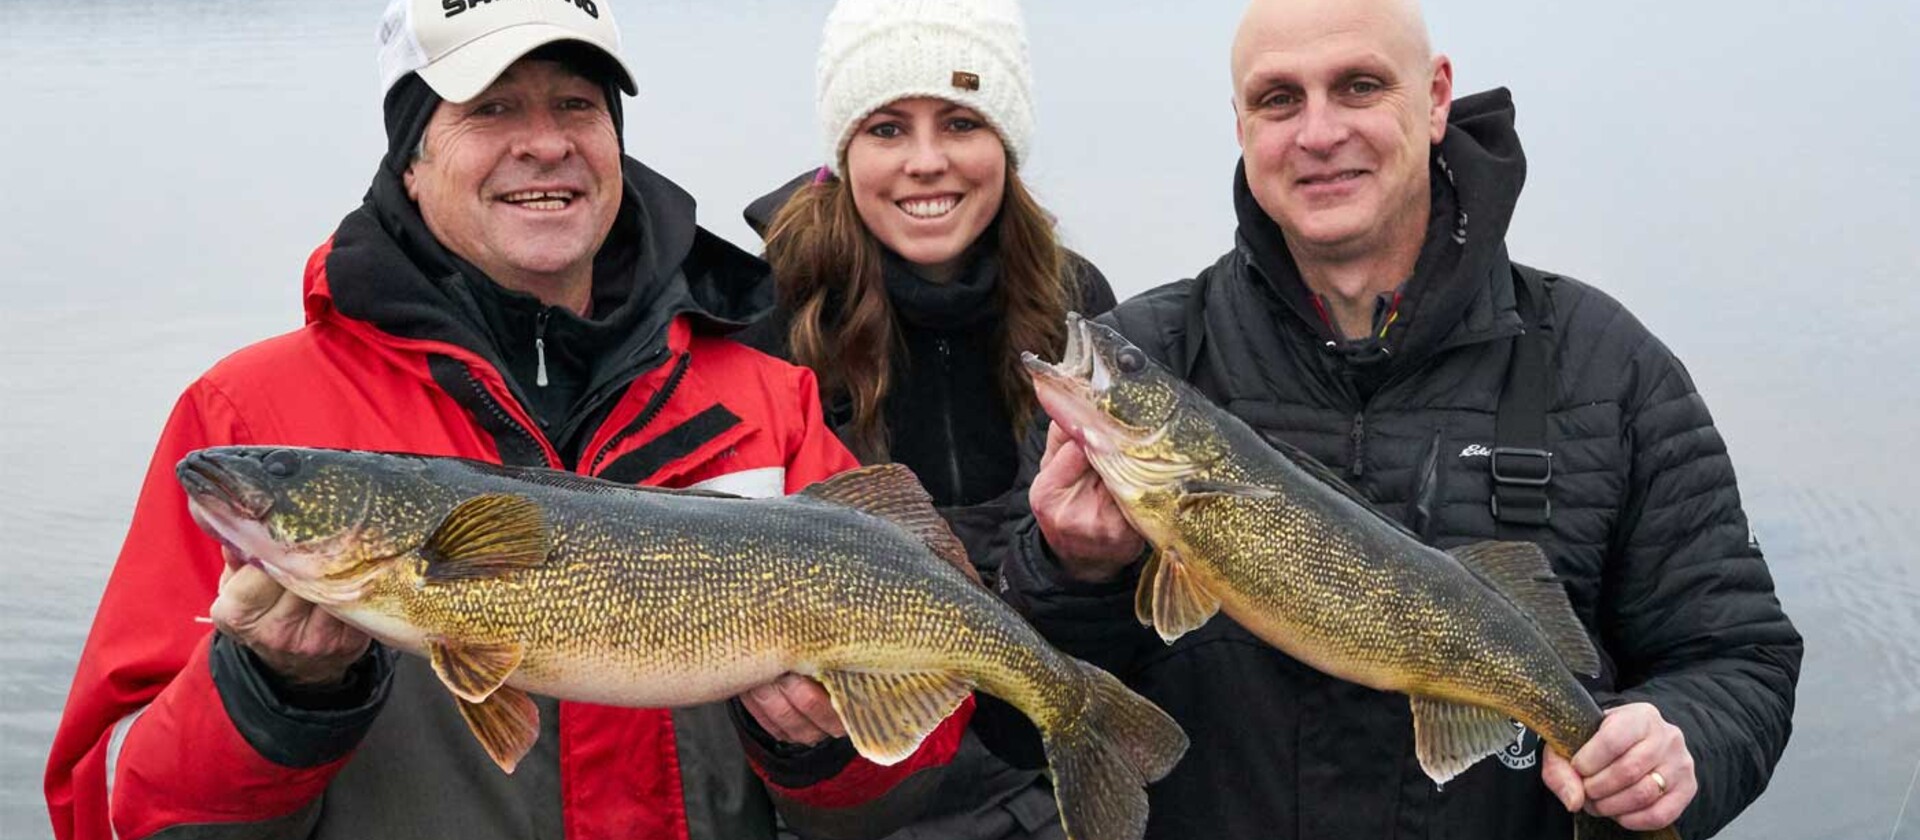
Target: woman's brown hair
<point>827,270</point>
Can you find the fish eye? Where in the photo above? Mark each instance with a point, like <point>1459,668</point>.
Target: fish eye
<point>1130,360</point>
<point>281,463</point>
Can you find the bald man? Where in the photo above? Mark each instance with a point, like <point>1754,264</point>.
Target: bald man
<point>1370,316</point>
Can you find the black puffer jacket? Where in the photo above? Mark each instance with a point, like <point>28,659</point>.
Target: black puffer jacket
<point>1647,531</point>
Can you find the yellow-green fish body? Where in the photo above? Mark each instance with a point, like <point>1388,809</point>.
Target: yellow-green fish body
<point>513,581</point>
<point>1474,636</point>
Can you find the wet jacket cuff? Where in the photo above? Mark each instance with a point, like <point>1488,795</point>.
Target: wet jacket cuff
<point>299,728</point>
<point>789,765</point>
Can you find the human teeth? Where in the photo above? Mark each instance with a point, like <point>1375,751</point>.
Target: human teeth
<point>539,199</point>
<point>929,208</point>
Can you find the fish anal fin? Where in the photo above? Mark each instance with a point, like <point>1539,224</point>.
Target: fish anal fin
<point>1450,737</point>
<point>487,536</point>
<point>471,670</point>
<point>892,492</point>
<point>1171,599</point>
<point>887,715</point>
<point>1143,594</point>
<point>507,723</point>
<point>1520,571</point>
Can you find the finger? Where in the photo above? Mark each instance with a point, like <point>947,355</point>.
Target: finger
<point>1666,811</point>
<point>1627,776</point>
<point>812,701</point>
<point>770,709</point>
<point>1619,731</point>
<point>1565,784</point>
<point>245,595</point>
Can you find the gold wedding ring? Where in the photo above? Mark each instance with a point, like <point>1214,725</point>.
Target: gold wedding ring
<point>1659,781</point>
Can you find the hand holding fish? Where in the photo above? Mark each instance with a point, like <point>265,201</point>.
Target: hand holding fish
<point>1636,769</point>
<point>301,643</point>
<point>1081,522</point>
<point>794,709</point>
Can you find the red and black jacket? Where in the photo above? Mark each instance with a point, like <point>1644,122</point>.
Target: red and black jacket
<point>166,733</point>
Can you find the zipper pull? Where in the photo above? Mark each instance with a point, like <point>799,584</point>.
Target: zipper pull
<point>540,348</point>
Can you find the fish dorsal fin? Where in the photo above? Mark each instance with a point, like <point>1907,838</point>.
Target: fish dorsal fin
<point>562,480</point>
<point>1450,737</point>
<point>474,670</point>
<point>1170,599</point>
<point>487,536</point>
<point>1327,476</point>
<point>507,723</point>
<point>893,493</point>
<point>888,715</point>
<point>1520,571</point>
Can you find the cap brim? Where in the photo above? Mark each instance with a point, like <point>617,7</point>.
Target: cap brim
<point>467,70</point>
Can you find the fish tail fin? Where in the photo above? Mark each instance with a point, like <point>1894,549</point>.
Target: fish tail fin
<point>1103,760</point>
<point>1589,827</point>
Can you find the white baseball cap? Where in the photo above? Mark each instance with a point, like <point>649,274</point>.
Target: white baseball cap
<point>460,46</point>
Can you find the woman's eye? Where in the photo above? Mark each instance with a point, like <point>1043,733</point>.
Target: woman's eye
<point>885,131</point>
<point>963,124</point>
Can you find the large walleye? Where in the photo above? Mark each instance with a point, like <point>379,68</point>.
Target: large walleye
<point>513,581</point>
<point>1474,636</point>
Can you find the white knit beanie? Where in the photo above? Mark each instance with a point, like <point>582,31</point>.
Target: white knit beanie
<point>973,52</point>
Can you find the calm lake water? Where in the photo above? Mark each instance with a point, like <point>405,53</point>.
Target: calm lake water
<point>1743,175</point>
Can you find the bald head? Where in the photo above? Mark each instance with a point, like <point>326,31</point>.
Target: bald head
<point>1396,27</point>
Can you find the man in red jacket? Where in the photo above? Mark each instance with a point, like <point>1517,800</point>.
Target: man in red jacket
<point>514,289</point>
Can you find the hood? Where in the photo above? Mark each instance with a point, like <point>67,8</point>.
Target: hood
<point>1461,289</point>
<point>759,214</point>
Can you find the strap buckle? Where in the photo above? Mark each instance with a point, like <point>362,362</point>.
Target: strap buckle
<point>1522,473</point>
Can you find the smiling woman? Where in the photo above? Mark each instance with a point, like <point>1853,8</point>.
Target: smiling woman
<point>911,272</point>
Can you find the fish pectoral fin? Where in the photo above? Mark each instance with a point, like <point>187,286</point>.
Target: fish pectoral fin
<point>1449,737</point>
<point>1520,571</point>
<point>892,492</point>
<point>1170,599</point>
<point>507,723</point>
<point>473,671</point>
<point>888,714</point>
<point>487,536</point>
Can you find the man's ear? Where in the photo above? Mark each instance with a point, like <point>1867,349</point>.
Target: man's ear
<point>1442,98</point>
<point>413,193</point>
<point>1239,128</point>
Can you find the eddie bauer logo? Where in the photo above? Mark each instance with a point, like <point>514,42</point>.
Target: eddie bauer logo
<point>455,7</point>
<point>1476,451</point>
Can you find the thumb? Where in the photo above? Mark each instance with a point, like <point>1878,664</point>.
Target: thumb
<point>1559,776</point>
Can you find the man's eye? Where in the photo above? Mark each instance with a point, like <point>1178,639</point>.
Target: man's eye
<point>1365,87</point>
<point>578,103</point>
<point>489,109</point>
<point>1278,100</point>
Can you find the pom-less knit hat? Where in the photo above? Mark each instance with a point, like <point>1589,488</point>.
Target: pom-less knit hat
<point>972,52</point>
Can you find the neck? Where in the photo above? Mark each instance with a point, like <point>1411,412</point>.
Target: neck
<point>572,291</point>
<point>1351,280</point>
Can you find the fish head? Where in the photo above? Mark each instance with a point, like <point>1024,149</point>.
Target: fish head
<point>323,523</point>
<point>1132,416</point>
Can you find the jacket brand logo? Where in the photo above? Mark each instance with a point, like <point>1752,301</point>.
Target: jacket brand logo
<point>1524,752</point>
<point>1476,451</point>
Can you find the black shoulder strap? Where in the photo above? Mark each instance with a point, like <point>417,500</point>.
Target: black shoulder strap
<point>1521,465</point>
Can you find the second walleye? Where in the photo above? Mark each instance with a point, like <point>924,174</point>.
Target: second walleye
<point>1474,636</point>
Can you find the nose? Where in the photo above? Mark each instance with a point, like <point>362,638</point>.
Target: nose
<point>543,139</point>
<point>928,156</point>
<point>1323,128</point>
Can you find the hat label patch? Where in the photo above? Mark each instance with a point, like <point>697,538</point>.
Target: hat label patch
<point>454,7</point>
<point>961,79</point>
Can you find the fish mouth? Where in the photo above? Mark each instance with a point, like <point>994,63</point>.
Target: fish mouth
<point>1072,390</point>
<point>223,482</point>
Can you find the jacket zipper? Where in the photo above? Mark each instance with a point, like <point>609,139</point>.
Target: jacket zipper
<point>946,414</point>
<point>647,413</point>
<point>540,347</point>
<point>500,412</point>
<point>1356,466</point>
